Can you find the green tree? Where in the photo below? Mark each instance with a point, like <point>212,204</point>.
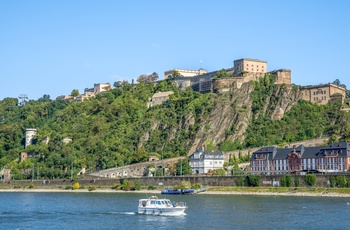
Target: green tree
<point>183,167</point>
<point>221,74</point>
<point>176,74</point>
<point>75,93</point>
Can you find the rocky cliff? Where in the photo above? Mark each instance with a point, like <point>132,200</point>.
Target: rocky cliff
<point>233,114</point>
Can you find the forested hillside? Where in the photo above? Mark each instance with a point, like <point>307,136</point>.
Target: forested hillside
<point>116,128</point>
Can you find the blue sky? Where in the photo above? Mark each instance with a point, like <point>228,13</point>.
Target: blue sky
<point>53,47</point>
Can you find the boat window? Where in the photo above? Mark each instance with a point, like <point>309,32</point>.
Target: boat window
<point>158,202</point>
<point>163,202</point>
<point>153,202</point>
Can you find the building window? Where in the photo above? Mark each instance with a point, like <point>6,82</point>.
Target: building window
<point>324,92</point>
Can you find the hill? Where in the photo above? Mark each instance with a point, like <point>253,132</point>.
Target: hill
<point>117,128</point>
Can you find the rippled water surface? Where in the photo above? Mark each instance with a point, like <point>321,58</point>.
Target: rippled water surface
<point>26,210</point>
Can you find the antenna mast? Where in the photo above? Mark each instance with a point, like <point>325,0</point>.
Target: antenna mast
<point>24,98</point>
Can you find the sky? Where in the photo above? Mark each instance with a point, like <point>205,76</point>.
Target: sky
<point>53,47</point>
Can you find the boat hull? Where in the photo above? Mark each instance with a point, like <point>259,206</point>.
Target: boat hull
<point>175,211</point>
<point>177,192</point>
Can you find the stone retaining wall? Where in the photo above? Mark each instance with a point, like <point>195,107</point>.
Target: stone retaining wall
<point>266,180</point>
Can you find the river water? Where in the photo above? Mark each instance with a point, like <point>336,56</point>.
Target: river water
<point>50,210</point>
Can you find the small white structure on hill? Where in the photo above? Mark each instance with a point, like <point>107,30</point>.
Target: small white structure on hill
<point>201,161</point>
<point>30,133</point>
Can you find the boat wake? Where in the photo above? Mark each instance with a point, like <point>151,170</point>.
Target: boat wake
<point>127,213</point>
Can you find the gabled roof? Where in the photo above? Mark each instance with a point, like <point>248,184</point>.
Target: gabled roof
<point>200,153</point>
<point>332,150</point>
<point>267,152</point>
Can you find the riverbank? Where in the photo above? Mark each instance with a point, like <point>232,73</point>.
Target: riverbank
<point>315,192</point>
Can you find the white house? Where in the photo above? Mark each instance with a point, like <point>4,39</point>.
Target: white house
<point>201,161</point>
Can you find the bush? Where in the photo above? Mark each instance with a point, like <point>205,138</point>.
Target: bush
<point>125,186</point>
<point>151,187</point>
<point>68,187</point>
<point>297,182</point>
<point>332,181</point>
<point>239,181</point>
<point>137,185</point>
<point>310,179</point>
<point>92,188</point>
<point>31,185</point>
<point>286,181</point>
<point>116,186</point>
<point>254,180</point>
<point>220,172</point>
<point>341,181</point>
<point>76,185</point>
<point>196,186</point>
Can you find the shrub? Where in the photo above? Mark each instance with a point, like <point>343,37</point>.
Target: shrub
<point>239,181</point>
<point>286,181</point>
<point>296,181</point>
<point>332,181</point>
<point>116,186</point>
<point>31,185</point>
<point>220,172</point>
<point>185,184</point>
<point>68,187</point>
<point>76,185</point>
<point>310,179</point>
<point>137,185</point>
<point>151,187</point>
<point>254,180</point>
<point>126,185</point>
<point>341,181</point>
<point>196,186</point>
<point>92,188</point>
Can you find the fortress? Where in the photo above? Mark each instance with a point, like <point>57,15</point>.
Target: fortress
<point>246,70</point>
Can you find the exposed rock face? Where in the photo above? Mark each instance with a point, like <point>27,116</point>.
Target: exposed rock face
<point>233,112</point>
<point>285,97</point>
<point>230,117</point>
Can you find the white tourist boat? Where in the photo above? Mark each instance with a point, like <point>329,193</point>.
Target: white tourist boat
<point>161,206</point>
